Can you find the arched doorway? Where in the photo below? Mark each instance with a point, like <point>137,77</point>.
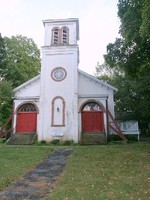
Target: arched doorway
<point>26,118</point>
<point>92,118</point>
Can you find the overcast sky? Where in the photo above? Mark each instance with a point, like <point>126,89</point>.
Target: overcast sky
<point>98,22</point>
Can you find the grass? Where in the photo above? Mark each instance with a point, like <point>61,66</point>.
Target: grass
<point>104,172</point>
<point>16,160</point>
<point>119,172</point>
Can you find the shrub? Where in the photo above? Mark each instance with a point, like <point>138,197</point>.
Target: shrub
<point>3,140</point>
<point>55,142</point>
<point>43,142</point>
<point>68,142</point>
<point>116,138</point>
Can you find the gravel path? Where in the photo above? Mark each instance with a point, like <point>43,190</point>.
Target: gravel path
<point>38,183</point>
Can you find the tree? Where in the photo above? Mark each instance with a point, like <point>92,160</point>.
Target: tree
<point>2,55</point>
<point>145,26</point>
<point>5,100</point>
<point>123,103</point>
<point>23,60</point>
<point>130,53</point>
<point>19,62</point>
<point>134,16</point>
<point>5,87</point>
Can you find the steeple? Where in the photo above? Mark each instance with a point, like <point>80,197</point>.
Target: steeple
<point>59,79</point>
<point>61,32</point>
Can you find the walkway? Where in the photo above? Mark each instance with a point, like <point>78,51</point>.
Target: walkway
<point>38,183</point>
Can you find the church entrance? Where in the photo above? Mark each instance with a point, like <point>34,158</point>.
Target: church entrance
<point>92,121</point>
<point>26,118</point>
<point>92,118</point>
<point>92,124</point>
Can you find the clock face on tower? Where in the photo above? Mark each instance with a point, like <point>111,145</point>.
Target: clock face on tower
<point>58,74</point>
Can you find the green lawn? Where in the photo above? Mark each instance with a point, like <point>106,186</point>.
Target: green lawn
<point>104,172</point>
<point>116,172</point>
<point>16,160</point>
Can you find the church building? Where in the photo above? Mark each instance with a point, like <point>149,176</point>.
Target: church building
<point>63,102</point>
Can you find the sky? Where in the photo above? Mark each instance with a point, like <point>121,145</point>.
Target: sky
<point>98,23</point>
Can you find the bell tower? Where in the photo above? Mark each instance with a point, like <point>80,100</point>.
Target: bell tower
<point>58,113</point>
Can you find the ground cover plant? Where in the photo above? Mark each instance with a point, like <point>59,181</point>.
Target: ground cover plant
<point>116,172</point>
<point>16,160</point>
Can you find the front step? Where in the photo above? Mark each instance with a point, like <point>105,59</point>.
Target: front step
<point>93,138</point>
<point>22,138</point>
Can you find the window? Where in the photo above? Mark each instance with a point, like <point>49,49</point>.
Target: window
<point>65,35</point>
<point>55,36</point>
<point>60,36</point>
<point>27,108</point>
<point>58,74</point>
<point>92,106</point>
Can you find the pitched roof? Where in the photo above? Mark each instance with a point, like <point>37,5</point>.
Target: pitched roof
<point>29,82</point>
<point>98,80</point>
<point>36,78</point>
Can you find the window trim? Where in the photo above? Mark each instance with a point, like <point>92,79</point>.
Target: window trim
<point>60,39</point>
<point>53,35</point>
<point>67,35</point>
<point>53,112</point>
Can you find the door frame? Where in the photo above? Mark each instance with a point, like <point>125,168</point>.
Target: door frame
<point>35,111</point>
<point>96,102</point>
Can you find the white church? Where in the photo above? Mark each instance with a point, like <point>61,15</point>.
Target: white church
<point>63,102</point>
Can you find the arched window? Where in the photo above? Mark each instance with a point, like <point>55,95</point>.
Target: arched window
<point>55,36</point>
<point>92,106</point>
<point>65,35</point>
<point>60,36</point>
<point>28,107</point>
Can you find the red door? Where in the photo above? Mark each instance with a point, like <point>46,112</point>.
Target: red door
<point>26,122</point>
<point>92,121</point>
<point>26,118</point>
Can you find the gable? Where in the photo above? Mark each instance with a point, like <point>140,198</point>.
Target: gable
<point>88,84</point>
<point>30,88</point>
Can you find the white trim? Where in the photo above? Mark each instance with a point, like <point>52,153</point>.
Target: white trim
<point>27,98</point>
<point>101,96</point>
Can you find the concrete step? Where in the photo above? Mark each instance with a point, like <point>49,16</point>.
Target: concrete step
<point>94,138</point>
<point>22,139</point>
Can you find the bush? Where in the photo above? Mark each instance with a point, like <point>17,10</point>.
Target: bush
<point>68,142</point>
<point>43,141</point>
<point>55,142</point>
<point>3,140</point>
<point>116,138</point>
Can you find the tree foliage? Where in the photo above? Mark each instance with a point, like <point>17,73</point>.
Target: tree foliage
<point>2,55</point>
<point>5,87</point>
<point>23,60</point>
<point>19,62</point>
<point>130,95</point>
<point>5,100</point>
<point>135,18</point>
<point>131,54</point>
